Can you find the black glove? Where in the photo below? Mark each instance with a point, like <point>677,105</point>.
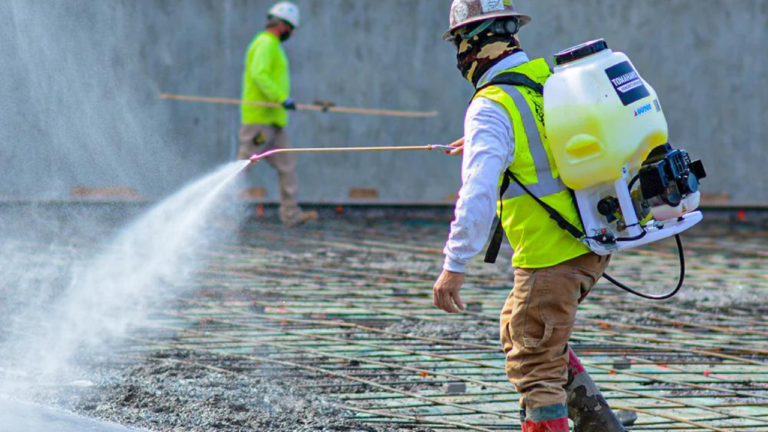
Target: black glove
<point>289,104</point>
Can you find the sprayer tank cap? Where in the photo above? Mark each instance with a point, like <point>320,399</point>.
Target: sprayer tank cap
<point>580,51</point>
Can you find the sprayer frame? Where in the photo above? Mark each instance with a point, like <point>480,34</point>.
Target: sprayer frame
<point>638,234</point>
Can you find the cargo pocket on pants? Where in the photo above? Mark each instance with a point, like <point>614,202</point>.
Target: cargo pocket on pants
<point>536,343</point>
<point>531,293</point>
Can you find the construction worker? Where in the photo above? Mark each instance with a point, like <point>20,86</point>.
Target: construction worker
<point>267,80</point>
<point>504,140</point>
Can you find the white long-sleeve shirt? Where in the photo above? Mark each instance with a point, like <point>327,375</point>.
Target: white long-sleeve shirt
<point>489,148</point>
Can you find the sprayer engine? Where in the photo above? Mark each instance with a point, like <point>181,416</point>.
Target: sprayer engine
<point>622,216</point>
<point>668,177</point>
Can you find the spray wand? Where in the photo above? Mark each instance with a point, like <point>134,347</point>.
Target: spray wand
<point>429,147</point>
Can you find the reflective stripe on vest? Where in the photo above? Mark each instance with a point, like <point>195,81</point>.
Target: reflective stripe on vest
<point>546,185</point>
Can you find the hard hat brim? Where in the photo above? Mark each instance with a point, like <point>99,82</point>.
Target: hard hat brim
<point>524,20</point>
<point>287,20</point>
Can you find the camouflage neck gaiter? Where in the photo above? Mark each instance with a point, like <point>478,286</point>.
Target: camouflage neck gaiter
<point>477,55</point>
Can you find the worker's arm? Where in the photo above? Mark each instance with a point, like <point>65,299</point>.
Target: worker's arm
<point>488,151</point>
<point>264,56</point>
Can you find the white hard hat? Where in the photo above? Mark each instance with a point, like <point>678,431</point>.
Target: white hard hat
<point>465,12</point>
<point>286,11</point>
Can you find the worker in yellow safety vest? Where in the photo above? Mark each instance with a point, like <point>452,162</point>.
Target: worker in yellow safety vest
<point>506,162</point>
<point>267,80</point>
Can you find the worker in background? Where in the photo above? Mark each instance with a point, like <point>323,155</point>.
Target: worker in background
<point>504,133</point>
<point>267,80</point>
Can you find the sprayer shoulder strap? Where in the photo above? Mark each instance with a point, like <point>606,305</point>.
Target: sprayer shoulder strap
<point>498,235</point>
<point>553,214</point>
<point>513,79</point>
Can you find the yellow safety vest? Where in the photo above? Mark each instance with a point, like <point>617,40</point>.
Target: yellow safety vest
<point>266,79</point>
<point>536,239</point>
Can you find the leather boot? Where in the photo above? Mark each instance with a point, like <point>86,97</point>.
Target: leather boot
<point>586,405</point>
<point>540,420</point>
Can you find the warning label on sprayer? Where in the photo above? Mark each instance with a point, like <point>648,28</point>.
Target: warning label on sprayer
<point>627,83</point>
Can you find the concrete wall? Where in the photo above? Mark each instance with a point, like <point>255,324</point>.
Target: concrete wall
<point>81,78</point>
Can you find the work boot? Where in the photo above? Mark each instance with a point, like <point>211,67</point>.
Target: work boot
<point>545,419</point>
<point>301,219</point>
<point>586,405</point>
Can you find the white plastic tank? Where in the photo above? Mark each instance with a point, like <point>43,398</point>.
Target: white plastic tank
<point>601,116</point>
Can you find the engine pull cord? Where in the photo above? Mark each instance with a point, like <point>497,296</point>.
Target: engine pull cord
<point>681,253</point>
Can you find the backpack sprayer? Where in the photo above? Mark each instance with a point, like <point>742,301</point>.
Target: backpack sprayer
<point>608,133</point>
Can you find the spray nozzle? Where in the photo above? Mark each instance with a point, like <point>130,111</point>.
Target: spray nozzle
<point>441,147</point>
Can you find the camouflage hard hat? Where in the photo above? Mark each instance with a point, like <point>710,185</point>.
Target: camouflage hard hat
<point>465,12</point>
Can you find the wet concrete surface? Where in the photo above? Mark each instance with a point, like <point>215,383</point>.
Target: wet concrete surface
<point>175,391</point>
<point>18,416</point>
<point>249,348</point>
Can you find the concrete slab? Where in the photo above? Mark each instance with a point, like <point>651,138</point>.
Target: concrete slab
<point>18,416</point>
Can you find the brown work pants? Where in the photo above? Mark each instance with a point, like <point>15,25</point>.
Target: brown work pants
<point>285,164</point>
<point>537,322</point>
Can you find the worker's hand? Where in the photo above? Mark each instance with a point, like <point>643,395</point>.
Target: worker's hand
<point>446,292</point>
<point>289,104</point>
<point>459,144</point>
